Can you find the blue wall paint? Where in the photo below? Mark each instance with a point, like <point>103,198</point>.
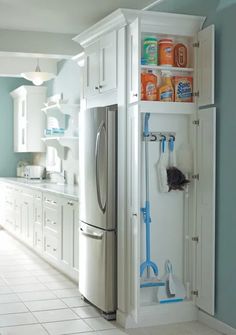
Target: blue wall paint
<point>8,159</point>
<point>222,14</point>
<point>67,81</point>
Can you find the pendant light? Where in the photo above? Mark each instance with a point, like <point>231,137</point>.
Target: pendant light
<point>38,77</point>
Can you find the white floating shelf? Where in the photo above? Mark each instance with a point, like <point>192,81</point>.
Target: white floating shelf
<point>159,107</point>
<point>63,144</point>
<point>64,108</point>
<point>167,68</point>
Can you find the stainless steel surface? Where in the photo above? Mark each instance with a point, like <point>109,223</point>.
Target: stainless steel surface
<point>101,164</point>
<point>97,255</point>
<point>97,281</point>
<point>98,167</point>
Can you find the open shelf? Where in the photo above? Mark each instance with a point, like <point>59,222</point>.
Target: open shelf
<point>64,108</point>
<point>167,68</point>
<point>159,107</point>
<point>63,144</point>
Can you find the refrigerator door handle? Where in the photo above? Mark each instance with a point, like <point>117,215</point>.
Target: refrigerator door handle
<point>92,234</point>
<point>100,129</point>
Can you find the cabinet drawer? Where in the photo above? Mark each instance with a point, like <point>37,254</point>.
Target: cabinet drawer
<point>51,219</point>
<point>38,236</point>
<point>38,214</point>
<point>38,197</point>
<point>51,245</point>
<point>9,201</point>
<point>50,201</point>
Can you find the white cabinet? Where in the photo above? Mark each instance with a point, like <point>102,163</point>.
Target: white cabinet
<point>52,226</point>
<point>101,65</point>
<point>27,217</point>
<point>29,121</point>
<point>70,235</point>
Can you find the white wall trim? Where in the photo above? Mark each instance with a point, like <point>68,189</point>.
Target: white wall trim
<point>213,323</point>
<point>155,3</point>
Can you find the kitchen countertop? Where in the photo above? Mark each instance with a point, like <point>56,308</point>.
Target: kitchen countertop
<point>65,190</point>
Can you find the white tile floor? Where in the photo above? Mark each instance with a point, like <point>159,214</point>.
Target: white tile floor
<point>35,299</point>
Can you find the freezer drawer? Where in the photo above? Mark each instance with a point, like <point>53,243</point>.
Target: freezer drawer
<point>97,264</point>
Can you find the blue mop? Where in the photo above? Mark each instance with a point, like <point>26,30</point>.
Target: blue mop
<point>148,264</point>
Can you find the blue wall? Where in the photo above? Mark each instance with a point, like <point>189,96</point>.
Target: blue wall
<point>223,15</point>
<point>8,159</point>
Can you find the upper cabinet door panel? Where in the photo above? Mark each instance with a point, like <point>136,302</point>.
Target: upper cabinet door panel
<point>134,59</point>
<point>206,157</point>
<point>108,62</point>
<point>91,75</point>
<point>206,66</point>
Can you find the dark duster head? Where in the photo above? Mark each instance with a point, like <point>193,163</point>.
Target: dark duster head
<point>176,179</point>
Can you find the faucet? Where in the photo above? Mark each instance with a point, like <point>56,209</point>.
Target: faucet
<point>61,174</point>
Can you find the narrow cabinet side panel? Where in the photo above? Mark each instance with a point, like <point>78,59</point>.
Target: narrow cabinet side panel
<point>206,153</point>
<point>206,66</point>
<point>133,157</point>
<point>134,58</point>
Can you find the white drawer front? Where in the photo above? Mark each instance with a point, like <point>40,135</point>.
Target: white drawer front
<point>51,245</point>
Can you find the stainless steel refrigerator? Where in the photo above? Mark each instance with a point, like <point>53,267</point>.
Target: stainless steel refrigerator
<point>98,185</point>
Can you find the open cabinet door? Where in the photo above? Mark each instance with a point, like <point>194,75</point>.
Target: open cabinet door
<point>206,137</point>
<point>206,66</point>
<point>133,240</point>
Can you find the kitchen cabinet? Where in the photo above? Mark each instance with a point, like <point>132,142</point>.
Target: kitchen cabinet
<point>29,121</point>
<point>183,223</point>
<point>46,222</point>
<point>27,217</point>
<point>100,69</point>
<point>52,226</point>
<point>186,234</point>
<point>70,234</point>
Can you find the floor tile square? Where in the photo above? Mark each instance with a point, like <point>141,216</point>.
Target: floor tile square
<point>28,288</point>
<point>87,312</point>
<point>15,307</point>
<point>24,330</point>
<point>31,296</point>
<point>67,293</point>
<point>75,302</point>
<point>45,305</point>
<point>7,320</point>
<point>55,315</point>
<point>5,298</point>
<point>61,285</point>
<point>66,327</point>
<point>99,324</point>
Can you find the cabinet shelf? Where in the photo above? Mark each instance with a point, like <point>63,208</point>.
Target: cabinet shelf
<point>64,108</point>
<point>63,144</point>
<point>159,107</point>
<point>167,68</point>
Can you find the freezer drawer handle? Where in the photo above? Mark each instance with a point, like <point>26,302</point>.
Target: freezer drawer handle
<point>100,129</point>
<point>93,235</point>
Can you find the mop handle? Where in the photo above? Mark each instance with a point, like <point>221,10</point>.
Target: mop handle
<point>146,133</point>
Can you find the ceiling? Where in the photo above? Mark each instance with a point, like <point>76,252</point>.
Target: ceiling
<point>59,16</point>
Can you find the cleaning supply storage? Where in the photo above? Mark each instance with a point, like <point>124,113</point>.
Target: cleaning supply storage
<point>182,221</point>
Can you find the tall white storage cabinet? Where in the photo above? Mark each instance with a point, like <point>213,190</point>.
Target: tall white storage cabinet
<point>29,121</point>
<point>183,223</point>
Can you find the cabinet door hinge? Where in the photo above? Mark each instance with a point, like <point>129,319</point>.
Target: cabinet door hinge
<point>194,292</point>
<point>195,176</point>
<point>196,122</point>
<point>196,94</point>
<point>195,239</point>
<point>196,44</point>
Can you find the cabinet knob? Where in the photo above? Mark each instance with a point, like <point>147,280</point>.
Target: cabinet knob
<point>135,94</point>
<point>96,88</point>
<point>100,86</point>
<point>70,203</point>
<point>135,214</point>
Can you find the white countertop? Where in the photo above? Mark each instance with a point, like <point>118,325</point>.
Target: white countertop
<point>68,191</point>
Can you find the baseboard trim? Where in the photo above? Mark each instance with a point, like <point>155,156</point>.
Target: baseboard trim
<point>213,323</point>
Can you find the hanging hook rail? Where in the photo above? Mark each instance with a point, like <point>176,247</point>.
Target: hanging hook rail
<point>158,136</point>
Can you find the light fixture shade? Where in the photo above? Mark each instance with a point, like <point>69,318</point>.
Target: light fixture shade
<point>38,77</point>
